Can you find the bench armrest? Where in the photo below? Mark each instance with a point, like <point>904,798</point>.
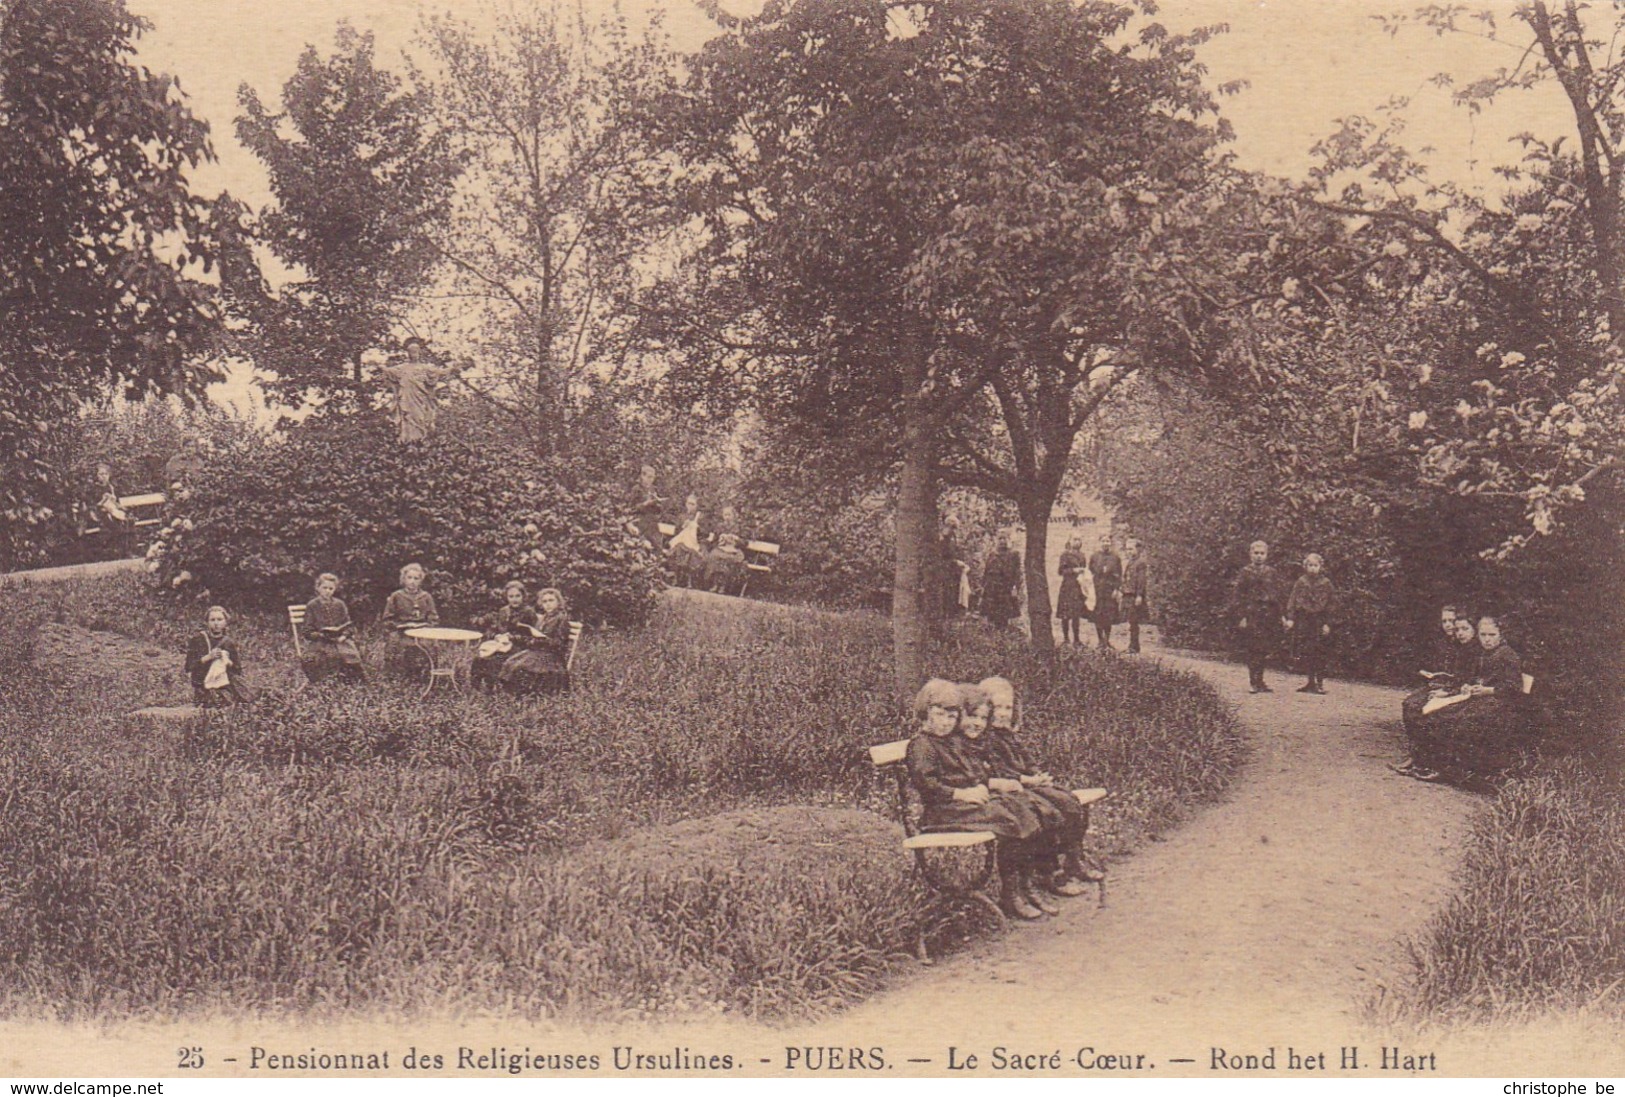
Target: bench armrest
<point>950,839</point>
<point>889,754</point>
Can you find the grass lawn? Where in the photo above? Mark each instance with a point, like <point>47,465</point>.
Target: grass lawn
<point>695,828</point>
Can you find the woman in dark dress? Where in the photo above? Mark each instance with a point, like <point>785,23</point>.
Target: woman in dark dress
<point>686,550</point>
<point>646,514</point>
<point>1001,585</point>
<point>951,780</point>
<point>1455,663</point>
<point>725,561</point>
<point>1070,605</point>
<point>214,663</point>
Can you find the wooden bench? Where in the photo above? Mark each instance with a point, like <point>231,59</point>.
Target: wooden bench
<point>144,510</point>
<point>922,844</point>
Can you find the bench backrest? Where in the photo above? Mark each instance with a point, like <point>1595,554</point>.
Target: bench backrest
<point>890,758</point>
<point>149,504</point>
<point>766,552</point>
<point>142,510</point>
<point>296,617</point>
<point>575,638</point>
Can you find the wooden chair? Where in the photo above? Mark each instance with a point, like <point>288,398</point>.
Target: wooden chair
<point>296,617</point>
<point>760,556</point>
<point>575,638</point>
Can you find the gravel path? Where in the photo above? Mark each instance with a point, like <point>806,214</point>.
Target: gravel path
<point>1281,910</point>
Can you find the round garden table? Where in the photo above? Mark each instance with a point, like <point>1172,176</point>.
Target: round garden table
<point>450,652</point>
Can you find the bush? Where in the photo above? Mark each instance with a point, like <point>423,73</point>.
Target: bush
<point>1539,920</point>
<point>340,494</point>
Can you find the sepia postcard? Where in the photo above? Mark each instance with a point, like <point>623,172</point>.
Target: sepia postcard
<point>820,539</point>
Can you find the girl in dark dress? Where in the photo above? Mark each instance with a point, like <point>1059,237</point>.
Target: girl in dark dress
<point>1455,664</point>
<point>1484,737</point>
<point>1070,605</point>
<point>1309,611</point>
<point>329,635</point>
<point>1011,762</point>
<point>952,783</point>
<point>975,710</point>
<point>508,634</point>
<point>550,643</point>
<point>214,663</point>
<point>409,607</point>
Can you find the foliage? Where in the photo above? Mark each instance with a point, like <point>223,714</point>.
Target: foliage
<point>1537,921</point>
<point>921,226</point>
<point>362,181</point>
<point>606,854</point>
<point>1444,366</point>
<point>339,494</point>
<point>836,532</point>
<point>100,240</point>
<point>1196,488</point>
<point>561,202</point>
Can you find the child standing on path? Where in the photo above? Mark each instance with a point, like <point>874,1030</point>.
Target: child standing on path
<point>1309,618</point>
<point>1255,602</point>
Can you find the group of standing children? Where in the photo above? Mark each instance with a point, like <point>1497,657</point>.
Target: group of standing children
<point>972,773</point>
<point>1102,589</point>
<point>1306,618</point>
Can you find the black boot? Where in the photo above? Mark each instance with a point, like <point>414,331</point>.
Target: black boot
<point>1013,902</point>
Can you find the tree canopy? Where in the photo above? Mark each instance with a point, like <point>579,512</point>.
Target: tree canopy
<point>102,242</point>
<point>363,182</point>
<point>921,226</point>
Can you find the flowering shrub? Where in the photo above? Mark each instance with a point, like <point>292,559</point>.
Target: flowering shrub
<point>340,494</point>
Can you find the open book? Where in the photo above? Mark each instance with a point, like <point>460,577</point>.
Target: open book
<point>1444,701</point>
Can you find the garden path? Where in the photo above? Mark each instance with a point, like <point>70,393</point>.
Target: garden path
<point>74,571</point>
<point>1276,915</point>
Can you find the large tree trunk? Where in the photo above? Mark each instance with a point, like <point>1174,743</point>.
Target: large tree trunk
<point>1035,506</point>
<point>916,536</point>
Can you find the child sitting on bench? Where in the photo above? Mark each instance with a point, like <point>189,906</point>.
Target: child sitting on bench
<point>952,783</point>
<point>1010,762</point>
